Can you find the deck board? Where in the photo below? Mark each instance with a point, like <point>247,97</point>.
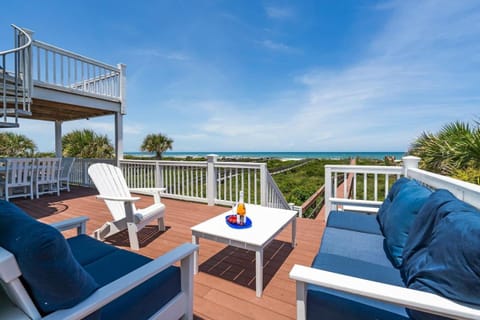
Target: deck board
<point>225,284</point>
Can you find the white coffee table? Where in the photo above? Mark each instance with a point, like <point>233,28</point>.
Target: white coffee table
<point>266,224</point>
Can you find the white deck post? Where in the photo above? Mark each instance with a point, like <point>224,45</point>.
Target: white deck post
<point>409,162</point>
<point>118,137</point>
<point>263,185</point>
<point>158,175</point>
<point>211,179</point>
<point>58,139</point>
<point>328,191</point>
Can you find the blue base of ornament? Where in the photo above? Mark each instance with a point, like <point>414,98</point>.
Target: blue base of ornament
<point>248,223</point>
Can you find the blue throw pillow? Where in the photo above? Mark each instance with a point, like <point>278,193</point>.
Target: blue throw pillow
<point>440,204</point>
<point>49,270</point>
<point>400,217</point>
<point>383,210</point>
<point>450,264</point>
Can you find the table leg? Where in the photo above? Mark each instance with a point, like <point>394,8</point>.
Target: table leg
<point>294,232</point>
<point>259,271</point>
<point>196,241</point>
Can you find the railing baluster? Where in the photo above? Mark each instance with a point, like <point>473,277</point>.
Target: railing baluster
<point>375,186</point>
<point>365,191</point>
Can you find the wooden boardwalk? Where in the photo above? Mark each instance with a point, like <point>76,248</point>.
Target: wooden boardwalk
<point>225,285</point>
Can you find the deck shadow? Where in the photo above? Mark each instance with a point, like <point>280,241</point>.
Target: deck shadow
<point>51,204</point>
<point>238,265</point>
<point>145,236</point>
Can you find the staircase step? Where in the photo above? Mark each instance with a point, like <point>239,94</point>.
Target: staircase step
<point>9,125</point>
<point>11,112</point>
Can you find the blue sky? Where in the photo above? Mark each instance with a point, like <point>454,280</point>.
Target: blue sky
<point>250,75</point>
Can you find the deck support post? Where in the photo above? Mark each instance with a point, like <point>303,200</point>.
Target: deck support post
<point>211,179</point>
<point>58,139</point>
<point>118,137</point>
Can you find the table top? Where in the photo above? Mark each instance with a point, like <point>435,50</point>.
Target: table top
<point>266,222</point>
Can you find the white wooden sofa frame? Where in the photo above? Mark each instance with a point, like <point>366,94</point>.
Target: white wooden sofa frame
<point>21,306</point>
<point>408,298</point>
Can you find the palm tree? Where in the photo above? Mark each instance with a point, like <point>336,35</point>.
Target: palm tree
<point>16,145</point>
<point>451,151</point>
<point>157,143</point>
<point>87,144</point>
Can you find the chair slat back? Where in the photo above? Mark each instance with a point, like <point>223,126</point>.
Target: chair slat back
<point>19,171</point>
<point>67,164</point>
<point>48,170</point>
<point>109,181</point>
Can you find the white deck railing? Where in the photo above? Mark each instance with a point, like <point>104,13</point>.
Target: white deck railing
<point>370,185</point>
<point>15,78</point>
<point>61,68</point>
<point>208,181</point>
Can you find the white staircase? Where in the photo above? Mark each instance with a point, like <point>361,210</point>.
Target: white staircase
<point>15,80</point>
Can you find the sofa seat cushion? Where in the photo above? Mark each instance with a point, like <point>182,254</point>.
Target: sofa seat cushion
<point>323,303</point>
<point>448,262</point>
<point>400,217</point>
<point>49,270</point>
<point>356,245</point>
<point>354,221</point>
<point>87,249</point>
<point>144,300</point>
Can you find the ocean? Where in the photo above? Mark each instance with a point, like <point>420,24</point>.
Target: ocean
<point>279,155</point>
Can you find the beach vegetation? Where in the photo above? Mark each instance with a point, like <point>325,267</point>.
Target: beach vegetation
<point>453,151</point>
<point>16,145</point>
<point>157,143</point>
<point>87,144</point>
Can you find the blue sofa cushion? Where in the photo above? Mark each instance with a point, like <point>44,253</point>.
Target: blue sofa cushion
<point>354,221</point>
<point>142,301</point>
<point>332,304</point>
<point>50,272</point>
<point>448,263</point>
<point>87,249</point>
<point>356,245</point>
<point>400,218</point>
<point>383,210</point>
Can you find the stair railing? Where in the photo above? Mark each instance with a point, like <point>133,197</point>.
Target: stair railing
<point>15,78</point>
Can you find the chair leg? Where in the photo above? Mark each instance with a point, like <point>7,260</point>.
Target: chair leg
<point>133,236</point>
<point>161,224</point>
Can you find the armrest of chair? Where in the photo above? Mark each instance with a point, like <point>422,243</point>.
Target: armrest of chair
<point>405,297</point>
<point>80,223</point>
<point>155,192</point>
<point>113,290</point>
<point>121,199</point>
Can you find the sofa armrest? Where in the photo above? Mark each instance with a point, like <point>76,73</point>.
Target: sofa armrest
<point>155,192</point>
<point>111,291</point>
<point>80,223</point>
<point>409,298</point>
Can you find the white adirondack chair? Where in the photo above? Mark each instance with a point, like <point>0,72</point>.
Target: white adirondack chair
<point>67,165</point>
<point>17,178</point>
<point>113,189</point>
<point>47,177</point>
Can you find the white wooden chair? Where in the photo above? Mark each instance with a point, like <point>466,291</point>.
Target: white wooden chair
<point>17,178</point>
<point>113,189</point>
<point>47,176</point>
<point>66,169</point>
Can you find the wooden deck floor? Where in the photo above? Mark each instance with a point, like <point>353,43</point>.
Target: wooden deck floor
<point>225,285</point>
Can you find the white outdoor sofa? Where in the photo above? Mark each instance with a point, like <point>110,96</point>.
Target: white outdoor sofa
<point>418,258</point>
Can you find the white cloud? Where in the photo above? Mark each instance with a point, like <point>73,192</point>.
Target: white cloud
<point>279,12</point>
<point>157,53</point>
<point>277,46</point>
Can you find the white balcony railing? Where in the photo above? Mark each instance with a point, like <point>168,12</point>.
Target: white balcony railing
<point>208,181</point>
<point>53,66</point>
